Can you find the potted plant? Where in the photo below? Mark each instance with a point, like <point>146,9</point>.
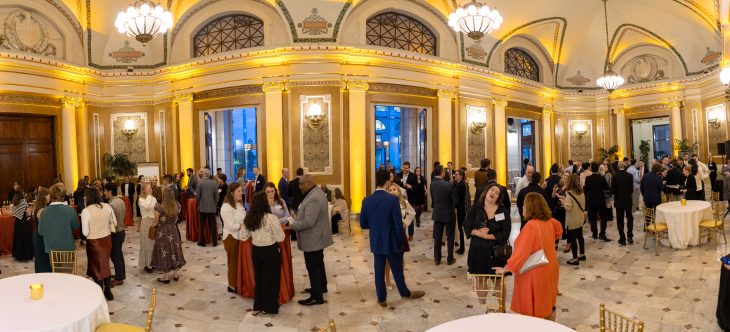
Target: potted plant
<point>610,153</point>
<point>644,149</point>
<point>118,165</point>
<point>684,146</point>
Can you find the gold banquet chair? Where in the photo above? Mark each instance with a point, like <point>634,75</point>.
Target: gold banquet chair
<point>611,321</point>
<point>63,261</point>
<point>118,327</point>
<point>652,229</point>
<point>490,291</point>
<point>330,327</point>
<point>716,225</point>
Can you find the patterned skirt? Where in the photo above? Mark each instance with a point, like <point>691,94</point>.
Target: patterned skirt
<point>167,254</point>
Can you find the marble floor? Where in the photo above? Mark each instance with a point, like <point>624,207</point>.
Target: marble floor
<point>675,291</point>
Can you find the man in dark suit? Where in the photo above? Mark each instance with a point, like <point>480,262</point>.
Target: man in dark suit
<point>128,189</point>
<point>595,190</point>
<point>259,180</point>
<point>480,176</point>
<point>169,182</point>
<point>675,180</point>
<point>550,184</point>
<point>533,187</point>
<point>192,183</point>
<point>381,214</point>
<point>284,187</point>
<point>206,192</point>
<point>443,197</point>
<point>651,187</point>
<point>492,178</point>
<point>406,179</point>
<point>294,192</point>
<point>622,187</point>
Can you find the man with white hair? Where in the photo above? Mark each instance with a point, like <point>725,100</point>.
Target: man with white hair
<point>206,194</point>
<point>525,180</point>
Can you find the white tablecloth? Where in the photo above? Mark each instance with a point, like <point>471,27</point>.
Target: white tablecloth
<point>683,221</point>
<point>69,304</point>
<point>500,322</point>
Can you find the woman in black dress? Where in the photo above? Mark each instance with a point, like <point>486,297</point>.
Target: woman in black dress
<point>418,200</point>
<point>23,228</point>
<point>690,184</point>
<point>139,188</point>
<point>42,261</point>
<point>488,224</point>
<point>462,191</point>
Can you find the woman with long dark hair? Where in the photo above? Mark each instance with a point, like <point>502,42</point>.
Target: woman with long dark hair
<point>23,229</point>
<point>42,261</point>
<point>277,205</point>
<point>97,223</point>
<point>487,224</point>
<point>265,232</point>
<point>232,215</point>
<point>420,189</point>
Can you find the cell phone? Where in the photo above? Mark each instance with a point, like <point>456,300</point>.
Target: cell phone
<point>725,259</point>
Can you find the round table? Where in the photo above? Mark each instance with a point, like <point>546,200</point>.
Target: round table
<point>683,221</point>
<point>70,304</point>
<point>500,322</point>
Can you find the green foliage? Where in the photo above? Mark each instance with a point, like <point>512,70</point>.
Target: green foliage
<point>644,149</point>
<point>118,165</point>
<point>609,153</point>
<point>684,145</point>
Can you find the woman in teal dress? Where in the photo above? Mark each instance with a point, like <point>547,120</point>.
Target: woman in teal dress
<point>42,261</point>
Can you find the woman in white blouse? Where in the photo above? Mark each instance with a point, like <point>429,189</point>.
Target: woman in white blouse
<point>232,214</point>
<point>265,230</point>
<point>97,224</point>
<point>146,204</point>
<point>408,214</point>
<point>277,205</point>
<point>340,207</point>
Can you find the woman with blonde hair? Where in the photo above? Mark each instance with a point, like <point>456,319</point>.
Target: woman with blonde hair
<point>42,261</point>
<point>536,285</point>
<point>339,210</point>
<point>146,204</point>
<point>408,214</point>
<point>232,215</point>
<point>97,223</point>
<point>167,254</point>
<point>574,202</point>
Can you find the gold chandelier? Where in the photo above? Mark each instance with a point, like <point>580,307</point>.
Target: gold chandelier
<point>143,20</point>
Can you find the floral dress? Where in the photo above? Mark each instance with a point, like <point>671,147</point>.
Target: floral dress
<point>167,254</point>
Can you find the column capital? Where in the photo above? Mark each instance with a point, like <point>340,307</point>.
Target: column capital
<point>499,102</point>
<point>276,86</point>
<point>357,85</point>
<point>620,110</point>
<point>548,109</point>
<point>184,98</point>
<point>446,94</point>
<point>72,102</point>
<point>675,103</point>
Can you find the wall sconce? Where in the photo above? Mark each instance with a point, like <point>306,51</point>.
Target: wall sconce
<point>314,115</point>
<point>478,119</point>
<point>580,129</point>
<point>713,119</point>
<point>129,129</point>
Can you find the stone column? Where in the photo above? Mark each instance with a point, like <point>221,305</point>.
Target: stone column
<point>357,92</point>
<point>274,127</point>
<point>445,134</point>
<point>547,139</point>
<point>185,130</point>
<point>68,142</point>
<point>675,120</point>
<point>82,129</point>
<point>623,148</point>
<point>500,140</point>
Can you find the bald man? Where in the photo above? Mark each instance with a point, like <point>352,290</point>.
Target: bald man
<point>525,180</point>
<point>314,233</point>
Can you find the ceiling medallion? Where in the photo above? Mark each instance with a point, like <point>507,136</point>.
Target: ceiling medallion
<point>143,20</point>
<point>610,80</point>
<point>475,20</point>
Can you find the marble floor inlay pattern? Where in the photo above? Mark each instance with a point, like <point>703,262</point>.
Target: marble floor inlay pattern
<point>675,291</point>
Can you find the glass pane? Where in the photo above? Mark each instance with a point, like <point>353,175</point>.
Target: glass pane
<point>245,143</point>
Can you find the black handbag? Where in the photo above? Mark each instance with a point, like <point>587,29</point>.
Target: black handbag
<point>502,252</point>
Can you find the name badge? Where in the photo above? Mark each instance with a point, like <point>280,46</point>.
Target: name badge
<point>499,217</point>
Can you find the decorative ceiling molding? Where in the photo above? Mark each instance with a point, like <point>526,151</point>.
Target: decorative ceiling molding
<point>200,6</point>
<point>315,83</point>
<point>293,26</point>
<point>71,19</point>
<point>29,99</point>
<point>623,28</point>
<point>402,89</point>
<point>116,103</point>
<point>708,17</point>
<point>224,92</point>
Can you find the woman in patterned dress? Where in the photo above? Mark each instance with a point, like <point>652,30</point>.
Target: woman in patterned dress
<point>167,254</point>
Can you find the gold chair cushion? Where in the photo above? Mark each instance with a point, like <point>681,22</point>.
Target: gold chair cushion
<point>657,227</point>
<point>711,224</point>
<point>117,327</point>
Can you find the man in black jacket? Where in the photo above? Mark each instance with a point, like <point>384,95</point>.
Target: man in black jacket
<point>492,178</point>
<point>595,190</point>
<point>443,197</point>
<point>675,180</point>
<point>294,192</point>
<point>550,184</point>
<point>622,186</point>
<point>406,179</point>
<point>651,187</point>
<point>535,187</point>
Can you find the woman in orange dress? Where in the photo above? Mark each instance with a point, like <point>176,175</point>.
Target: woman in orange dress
<point>535,292</point>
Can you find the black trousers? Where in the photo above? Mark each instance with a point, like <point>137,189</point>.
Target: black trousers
<point>438,235</point>
<point>620,213</point>
<point>575,238</point>
<point>314,260</point>
<point>267,272</point>
<point>592,214</point>
<point>336,223</point>
<point>208,218</point>
<point>419,210</point>
<point>460,215</point>
<point>117,256</point>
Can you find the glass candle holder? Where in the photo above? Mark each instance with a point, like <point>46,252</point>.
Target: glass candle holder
<point>684,201</point>
<point>36,291</point>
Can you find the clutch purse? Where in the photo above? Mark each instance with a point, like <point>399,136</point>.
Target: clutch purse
<point>152,232</point>
<point>536,259</point>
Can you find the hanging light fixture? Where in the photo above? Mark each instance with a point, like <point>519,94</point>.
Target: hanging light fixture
<point>610,80</point>
<point>475,20</point>
<point>143,20</point>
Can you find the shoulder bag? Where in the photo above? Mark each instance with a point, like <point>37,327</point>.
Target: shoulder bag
<point>585,218</point>
<point>152,232</point>
<point>501,252</point>
<point>112,228</point>
<point>537,258</point>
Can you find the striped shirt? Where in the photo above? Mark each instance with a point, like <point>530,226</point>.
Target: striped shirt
<point>19,210</point>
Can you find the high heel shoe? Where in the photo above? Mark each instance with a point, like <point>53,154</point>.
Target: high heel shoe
<point>567,248</point>
<point>574,261</point>
<point>582,257</point>
<point>163,281</point>
<point>176,278</point>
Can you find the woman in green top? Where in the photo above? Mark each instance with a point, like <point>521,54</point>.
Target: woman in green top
<point>42,261</point>
<point>58,222</point>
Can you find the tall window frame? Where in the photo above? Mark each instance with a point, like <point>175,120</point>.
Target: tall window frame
<point>520,63</point>
<point>228,33</point>
<point>400,31</point>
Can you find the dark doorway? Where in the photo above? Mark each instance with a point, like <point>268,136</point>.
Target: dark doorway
<point>27,152</point>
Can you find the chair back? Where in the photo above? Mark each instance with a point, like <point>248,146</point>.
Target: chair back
<point>63,261</point>
<point>715,196</point>
<point>649,215</point>
<point>330,327</point>
<point>718,210</point>
<point>611,321</point>
<point>151,312</point>
<point>490,290</point>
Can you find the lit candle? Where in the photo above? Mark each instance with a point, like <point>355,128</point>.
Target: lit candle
<point>36,291</point>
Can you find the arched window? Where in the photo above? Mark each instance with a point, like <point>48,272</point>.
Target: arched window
<point>400,31</point>
<point>379,125</point>
<point>518,62</point>
<point>228,33</point>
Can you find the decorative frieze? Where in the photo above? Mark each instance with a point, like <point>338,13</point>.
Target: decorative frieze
<point>29,99</point>
<point>402,89</point>
<point>224,92</point>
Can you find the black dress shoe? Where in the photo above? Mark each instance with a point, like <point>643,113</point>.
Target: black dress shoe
<point>631,240</point>
<point>309,290</point>
<point>383,304</point>
<point>201,244</point>
<point>622,242</point>
<point>605,239</point>
<point>163,281</point>
<point>108,295</point>
<point>582,257</point>
<point>437,262</point>
<point>148,269</point>
<point>460,251</point>
<point>451,261</point>
<point>574,261</point>
<point>311,301</point>
<point>231,290</point>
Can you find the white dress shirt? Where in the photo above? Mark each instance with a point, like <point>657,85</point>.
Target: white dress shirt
<point>232,219</point>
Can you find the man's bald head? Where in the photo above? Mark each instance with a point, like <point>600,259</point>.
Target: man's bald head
<point>529,170</point>
<point>306,182</point>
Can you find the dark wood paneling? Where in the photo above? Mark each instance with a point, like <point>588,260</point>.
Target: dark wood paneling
<point>27,152</point>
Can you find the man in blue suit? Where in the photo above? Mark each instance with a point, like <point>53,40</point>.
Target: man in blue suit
<point>381,214</point>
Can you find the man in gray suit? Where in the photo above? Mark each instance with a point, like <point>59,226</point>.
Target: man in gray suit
<point>314,233</point>
<point>206,193</point>
<point>443,197</point>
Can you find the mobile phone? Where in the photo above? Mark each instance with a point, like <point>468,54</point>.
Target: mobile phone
<point>725,259</point>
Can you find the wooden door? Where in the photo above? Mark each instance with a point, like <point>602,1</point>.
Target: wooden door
<point>27,152</point>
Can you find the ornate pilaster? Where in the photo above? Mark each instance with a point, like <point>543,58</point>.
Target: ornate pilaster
<point>184,103</point>
<point>445,135</point>
<point>547,137</point>
<point>272,87</point>
<point>69,140</point>
<point>273,113</point>
<point>357,85</point>
<point>620,113</point>
<point>357,110</point>
<point>675,120</point>
<point>500,139</point>
<point>183,98</point>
